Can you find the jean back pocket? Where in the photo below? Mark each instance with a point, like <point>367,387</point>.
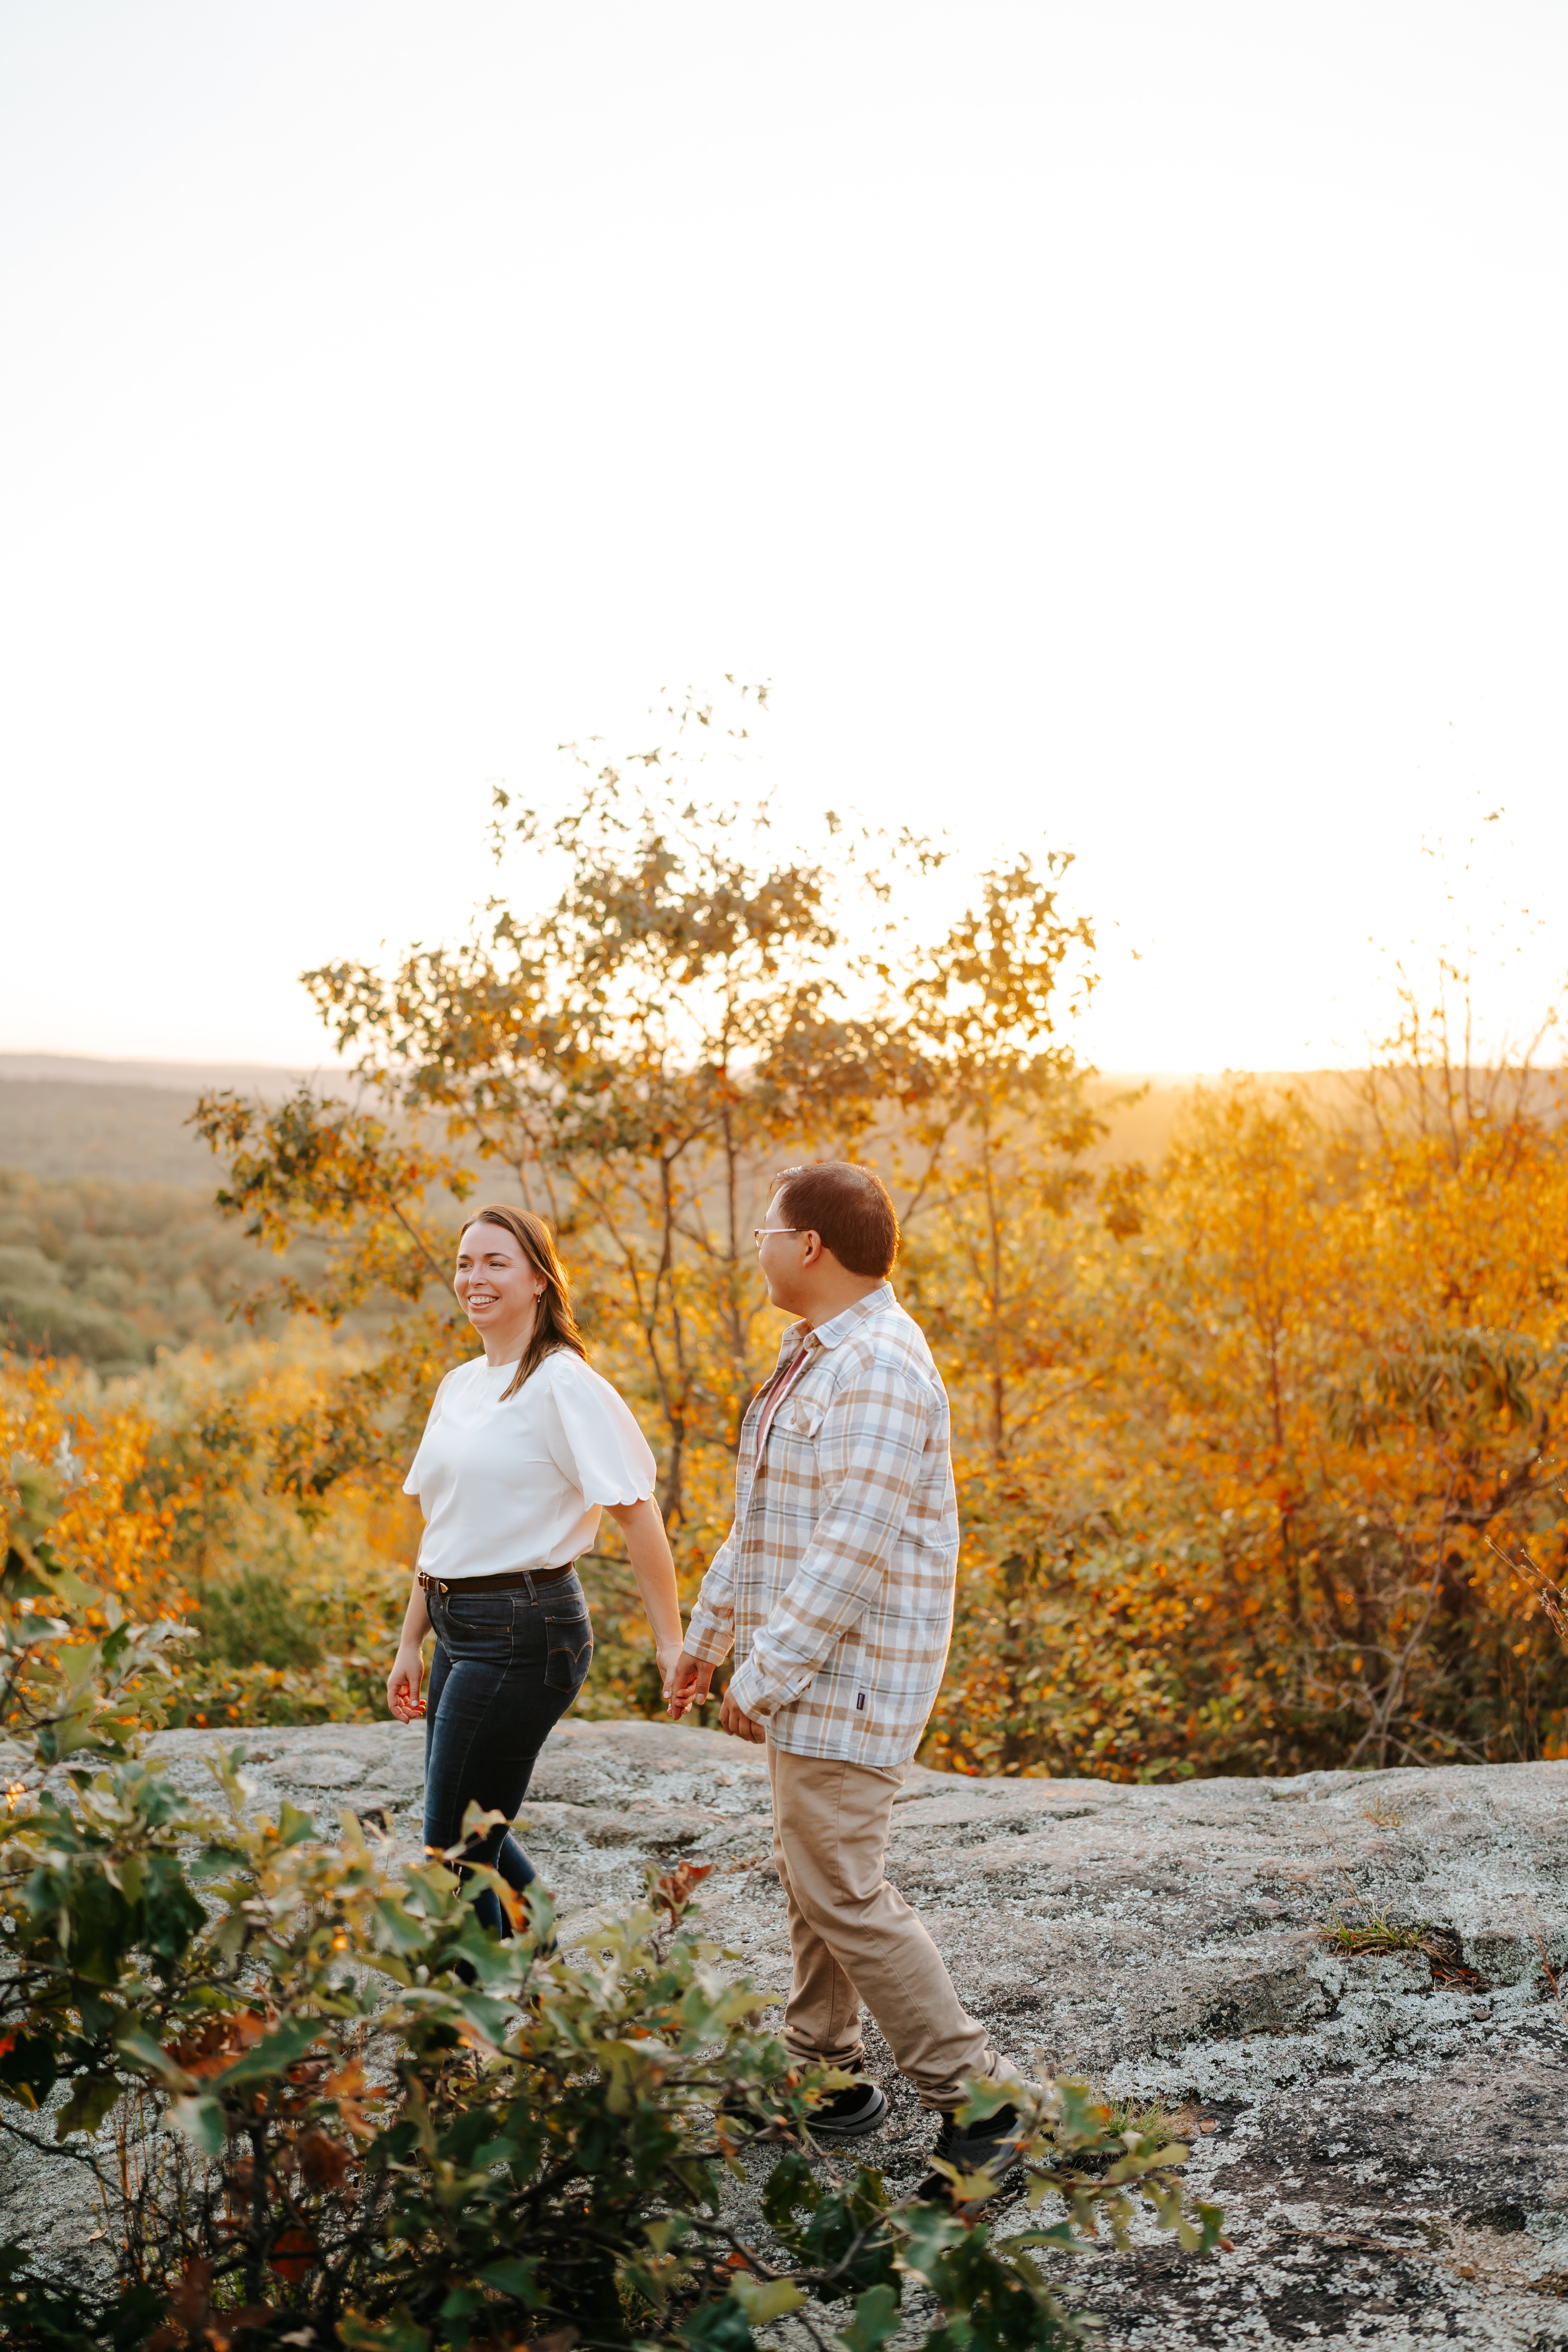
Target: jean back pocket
<point>570,1642</point>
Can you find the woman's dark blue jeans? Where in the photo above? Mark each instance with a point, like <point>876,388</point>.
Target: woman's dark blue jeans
<point>507,1667</point>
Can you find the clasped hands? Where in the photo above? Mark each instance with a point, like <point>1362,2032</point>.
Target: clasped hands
<point>687,1684</point>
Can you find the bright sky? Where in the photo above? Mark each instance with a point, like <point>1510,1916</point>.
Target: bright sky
<point>1134,427</point>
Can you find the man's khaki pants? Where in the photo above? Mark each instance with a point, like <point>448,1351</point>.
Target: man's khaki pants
<point>853,1938</point>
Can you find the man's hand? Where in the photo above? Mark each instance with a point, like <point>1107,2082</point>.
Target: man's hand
<point>686,1683</point>
<point>743,1727</point>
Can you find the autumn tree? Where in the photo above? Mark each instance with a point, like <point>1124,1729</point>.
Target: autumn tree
<point>990,1151</point>
<point>631,1059</point>
<point>1323,1382</point>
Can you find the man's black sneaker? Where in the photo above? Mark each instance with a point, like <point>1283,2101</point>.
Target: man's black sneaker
<point>990,2147</point>
<point>849,2114</point>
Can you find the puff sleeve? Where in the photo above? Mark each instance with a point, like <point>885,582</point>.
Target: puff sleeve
<point>592,1439</point>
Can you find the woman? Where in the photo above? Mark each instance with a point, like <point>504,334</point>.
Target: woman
<point>523,1447</point>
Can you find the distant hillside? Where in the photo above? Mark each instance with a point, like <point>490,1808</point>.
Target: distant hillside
<point>62,1117</point>
<point>110,1273</point>
<point>110,1247</point>
<point>128,1135</point>
<point>269,1078</point>
<point>113,1273</point>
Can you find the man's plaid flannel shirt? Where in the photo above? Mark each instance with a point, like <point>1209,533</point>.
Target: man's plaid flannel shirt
<point>835,1584</point>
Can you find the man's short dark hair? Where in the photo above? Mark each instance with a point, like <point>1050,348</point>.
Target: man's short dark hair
<point>849,1206</point>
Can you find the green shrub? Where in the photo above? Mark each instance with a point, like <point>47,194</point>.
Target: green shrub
<point>256,1618</point>
<point>323,2104</point>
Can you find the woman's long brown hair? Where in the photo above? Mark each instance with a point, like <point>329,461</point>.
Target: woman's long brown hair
<point>555,1324</point>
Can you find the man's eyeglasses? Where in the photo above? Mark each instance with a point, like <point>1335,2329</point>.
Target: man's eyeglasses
<point>761,1232</point>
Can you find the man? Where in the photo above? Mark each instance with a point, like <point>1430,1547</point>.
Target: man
<point>834,1587</point>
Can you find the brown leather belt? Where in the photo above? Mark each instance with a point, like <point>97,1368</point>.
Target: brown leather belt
<point>506,1579</point>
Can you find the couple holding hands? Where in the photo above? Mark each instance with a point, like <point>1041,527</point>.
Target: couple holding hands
<point>833,1587</point>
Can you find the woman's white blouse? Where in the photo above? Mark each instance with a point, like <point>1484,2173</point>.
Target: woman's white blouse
<point>521,1485</point>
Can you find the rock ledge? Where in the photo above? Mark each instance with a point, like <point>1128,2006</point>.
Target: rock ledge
<point>1389,2139</point>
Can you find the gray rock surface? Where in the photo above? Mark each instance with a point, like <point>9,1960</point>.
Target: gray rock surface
<point>1389,2140</point>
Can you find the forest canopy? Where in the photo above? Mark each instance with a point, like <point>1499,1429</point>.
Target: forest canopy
<point>110,1272</point>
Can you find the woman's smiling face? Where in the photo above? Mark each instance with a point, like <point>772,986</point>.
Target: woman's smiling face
<point>496,1282</point>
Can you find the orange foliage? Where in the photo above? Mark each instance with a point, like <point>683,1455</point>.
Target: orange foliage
<point>1324,1372</point>
<point>173,1488</point>
<point>108,1531</point>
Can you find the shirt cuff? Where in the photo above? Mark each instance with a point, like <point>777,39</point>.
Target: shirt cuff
<point>709,1640</point>
<point>750,1693</point>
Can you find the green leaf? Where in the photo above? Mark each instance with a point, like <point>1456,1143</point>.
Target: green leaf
<point>72,1731</point>
<point>293,1826</point>
<point>718,2327</point>
<point>792,2186</point>
<point>402,1931</point>
<point>91,2098</point>
<point>135,2044</point>
<point>668,2230</point>
<point>492,2019</point>
<point>876,2318</point>
<point>984,2099</point>
<point>215,1861</point>
<point>80,1665</point>
<point>765,2299</point>
<point>21,1579</point>
<point>513,2276</point>
<point>201,2120</point>
<point>929,2231</point>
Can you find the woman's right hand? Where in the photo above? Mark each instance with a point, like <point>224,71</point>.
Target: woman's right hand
<point>686,1683</point>
<point>403,1684</point>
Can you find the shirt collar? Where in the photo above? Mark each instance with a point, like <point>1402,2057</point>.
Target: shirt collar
<point>828,1335</point>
